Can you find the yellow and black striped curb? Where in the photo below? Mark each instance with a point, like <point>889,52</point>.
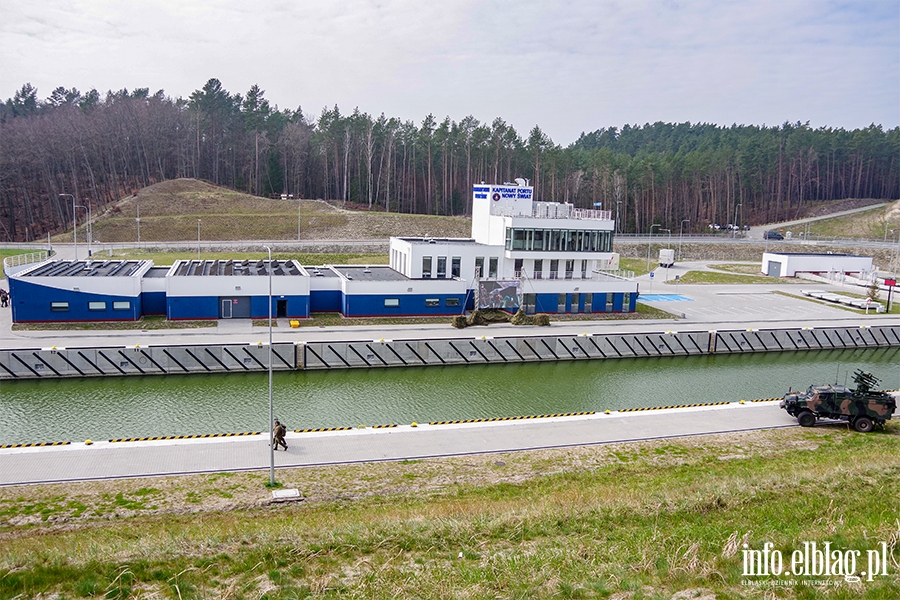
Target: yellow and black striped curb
<point>184,437</point>
<point>766,399</point>
<point>673,406</point>
<point>384,426</point>
<point>493,419</point>
<point>37,445</point>
<point>318,429</point>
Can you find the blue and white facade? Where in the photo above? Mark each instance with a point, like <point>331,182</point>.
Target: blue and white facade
<point>541,256</point>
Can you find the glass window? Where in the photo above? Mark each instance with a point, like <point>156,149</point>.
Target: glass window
<point>479,266</point>
<point>122,305</point>
<point>492,267</point>
<point>588,303</point>
<point>452,301</point>
<point>392,302</point>
<point>518,239</point>
<point>554,268</point>
<point>538,268</point>
<point>538,240</point>
<point>570,268</point>
<point>455,266</point>
<point>59,306</point>
<point>432,301</point>
<point>626,302</point>
<point>426,267</point>
<point>584,267</point>
<point>561,303</point>
<point>509,238</point>
<point>442,267</point>
<point>96,305</point>
<point>517,267</point>
<point>528,300</point>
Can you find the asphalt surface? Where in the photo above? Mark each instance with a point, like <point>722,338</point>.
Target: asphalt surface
<point>698,307</point>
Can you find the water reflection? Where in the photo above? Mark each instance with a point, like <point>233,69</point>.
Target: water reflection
<point>76,409</point>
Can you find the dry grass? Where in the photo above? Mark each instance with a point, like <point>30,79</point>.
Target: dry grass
<point>664,519</point>
<point>169,211</point>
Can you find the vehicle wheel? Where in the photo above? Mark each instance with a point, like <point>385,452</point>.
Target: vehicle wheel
<point>806,419</point>
<point>863,424</point>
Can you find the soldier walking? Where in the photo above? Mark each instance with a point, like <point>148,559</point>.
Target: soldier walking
<point>278,432</point>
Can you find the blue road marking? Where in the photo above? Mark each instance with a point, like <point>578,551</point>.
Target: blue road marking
<point>664,298</point>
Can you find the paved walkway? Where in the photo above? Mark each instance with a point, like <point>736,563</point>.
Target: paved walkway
<point>107,460</point>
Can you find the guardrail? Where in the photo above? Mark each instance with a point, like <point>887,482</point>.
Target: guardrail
<point>15,263</point>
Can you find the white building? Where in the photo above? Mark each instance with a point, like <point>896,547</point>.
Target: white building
<point>552,257</point>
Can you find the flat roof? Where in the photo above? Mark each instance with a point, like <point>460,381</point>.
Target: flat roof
<point>379,273</point>
<point>235,268</point>
<point>87,268</point>
<point>446,241</point>
<point>320,271</point>
<point>818,254</point>
<point>157,272</point>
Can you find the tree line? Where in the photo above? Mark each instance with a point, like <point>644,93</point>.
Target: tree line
<point>678,175</point>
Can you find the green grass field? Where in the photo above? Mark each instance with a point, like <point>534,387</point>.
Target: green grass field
<point>665,519</point>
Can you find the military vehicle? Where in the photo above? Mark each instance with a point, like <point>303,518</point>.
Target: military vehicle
<point>864,407</point>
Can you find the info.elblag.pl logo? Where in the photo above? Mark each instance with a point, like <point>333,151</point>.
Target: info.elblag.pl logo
<point>814,560</point>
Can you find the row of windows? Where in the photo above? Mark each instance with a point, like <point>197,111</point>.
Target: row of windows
<point>395,302</point>
<point>604,302</point>
<point>455,267</point>
<point>558,240</point>
<point>91,306</point>
<point>538,272</point>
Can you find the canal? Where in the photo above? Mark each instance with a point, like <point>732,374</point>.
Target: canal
<point>115,407</point>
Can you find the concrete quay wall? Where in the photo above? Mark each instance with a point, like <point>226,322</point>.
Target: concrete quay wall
<point>50,363</point>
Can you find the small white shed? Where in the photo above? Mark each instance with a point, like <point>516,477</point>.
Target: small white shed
<point>788,264</point>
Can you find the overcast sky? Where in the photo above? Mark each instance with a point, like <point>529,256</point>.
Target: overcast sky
<point>568,67</point>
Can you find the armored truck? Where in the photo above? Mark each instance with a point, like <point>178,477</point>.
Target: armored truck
<point>864,407</point>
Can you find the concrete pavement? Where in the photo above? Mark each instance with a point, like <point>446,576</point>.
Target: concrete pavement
<point>115,460</point>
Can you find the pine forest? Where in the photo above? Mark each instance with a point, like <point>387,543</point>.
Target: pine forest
<point>102,148</point>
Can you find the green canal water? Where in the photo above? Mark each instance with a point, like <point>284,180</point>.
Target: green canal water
<point>113,407</point>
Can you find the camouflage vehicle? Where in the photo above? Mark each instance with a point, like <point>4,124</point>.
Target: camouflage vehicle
<point>863,407</point>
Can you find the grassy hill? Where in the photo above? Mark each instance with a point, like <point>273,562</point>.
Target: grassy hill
<point>169,211</point>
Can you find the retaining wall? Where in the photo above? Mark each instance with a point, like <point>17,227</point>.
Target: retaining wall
<point>229,358</point>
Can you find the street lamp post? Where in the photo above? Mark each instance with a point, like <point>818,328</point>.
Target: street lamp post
<point>618,202</point>
<point>649,243</point>
<point>139,222</point>
<point>74,224</point>
<point>681,236</point>
<point>298,219</point>
<point>735,224</point>
<point>670,244</point>
<point>271,407</point>
<point>88,211</point>
<point>198,240</point>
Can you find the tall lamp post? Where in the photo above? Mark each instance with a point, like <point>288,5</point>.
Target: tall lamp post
<point>649,242</point>
<point>74,224</point>
<point>88,211</point>
<point>298,219</point>
<point>198,240</point>
<point>618,202</point>
<point>735,224</point>
<point>139,222</point>
<point>271,407</point>
<point>681,236</point>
